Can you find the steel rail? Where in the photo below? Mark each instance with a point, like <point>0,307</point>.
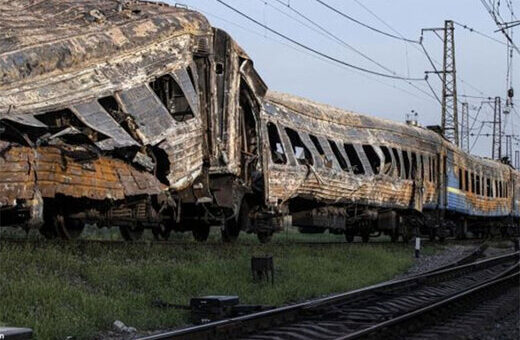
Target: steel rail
<point>243,325</point>
<point>435,306</point>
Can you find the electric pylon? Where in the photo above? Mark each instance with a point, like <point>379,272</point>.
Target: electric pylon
<point>496,152</point>
<point>464,128</point>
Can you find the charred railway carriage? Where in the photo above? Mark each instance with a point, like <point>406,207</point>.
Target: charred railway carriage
<point>123,113</point>
<point>141,115</point>
<point>354,174</point>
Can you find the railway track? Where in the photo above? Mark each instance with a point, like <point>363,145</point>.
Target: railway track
<point>366,312</point>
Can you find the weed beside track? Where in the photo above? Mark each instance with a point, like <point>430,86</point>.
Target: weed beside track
<point>78,289</point>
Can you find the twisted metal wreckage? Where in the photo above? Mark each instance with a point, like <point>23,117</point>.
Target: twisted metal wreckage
<point>141,115</point>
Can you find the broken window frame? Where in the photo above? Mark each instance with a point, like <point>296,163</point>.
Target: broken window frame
<point>274,152</point>
<point>296,142</point>
<point>398,162</point>
<point>354,159</point>
<point>322,156</point>
<point>177,83</point>
<point>373,158</point>
<point>461,182</point>
<point>341,161</point>
<point>387,159</point>
<point>407,164</point>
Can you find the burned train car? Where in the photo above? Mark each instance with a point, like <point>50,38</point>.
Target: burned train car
<point>141,115</point>
<point>349,173</point>
<point>124,113</point>
<point>332,169</point>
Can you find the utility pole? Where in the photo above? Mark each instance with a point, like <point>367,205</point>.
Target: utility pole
<point>496,152</point>
<point>464,129</point>
<point>450,118</point>
<point>509,147</point>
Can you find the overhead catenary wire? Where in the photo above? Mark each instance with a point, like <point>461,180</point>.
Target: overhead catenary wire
<point>324,32</point>
<point>341,41</point>
<point>300,50</point>
<point>343,14</point>
<point>499,24</point>
<point>470,29</point>
<point>311,49</point>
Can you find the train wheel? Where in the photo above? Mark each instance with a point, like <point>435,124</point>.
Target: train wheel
<point>406,236</point>
<point>394,236</point>
<point>365,237</point>
<point>161,233</point>
<point>56,225</point>
<point>132,233</point>
<point>68,229</point>
<point>264,236</point>
<point>201,232</point>
<point>48,231</point>
<point>349,237</point>
<point>232,227</point>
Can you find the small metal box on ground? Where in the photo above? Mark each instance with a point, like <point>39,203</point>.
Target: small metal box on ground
<point>209,308</point>
<point>12,333</point>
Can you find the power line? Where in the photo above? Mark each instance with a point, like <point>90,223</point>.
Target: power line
<point>325,32</point>
<point>322,54</point>
<point>343,14</point>
<point>499,24</point>
<point>340,41</point>
<point>309,53</point>
<point>480,33</point>
<point>381,20</point>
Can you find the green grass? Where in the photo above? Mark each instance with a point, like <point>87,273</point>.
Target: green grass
<point>78,289</point>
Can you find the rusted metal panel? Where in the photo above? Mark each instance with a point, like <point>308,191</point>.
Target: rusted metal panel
<point>24,170</point>
<point>24,119</point>
<point>152,118</point>
<point>94,116</point>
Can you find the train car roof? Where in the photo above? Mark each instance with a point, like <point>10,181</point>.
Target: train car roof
<point>39,37</point>
<point>336,115</point>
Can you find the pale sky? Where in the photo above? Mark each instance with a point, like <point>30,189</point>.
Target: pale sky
<point>481,62</point>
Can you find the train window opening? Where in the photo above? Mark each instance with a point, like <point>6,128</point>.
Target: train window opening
<point>387,166</point>
<point>421,166</point>
<point>478,185</point>
<point>466,180</point>
<point>339,157</point>
<point>461,184</point>
<point>397,161</point>
<point>496,193</point>
<point>501,190</point>
<point>373,159</point>
<point>430,174</point>
<point>355,161</point>
<point>406,160</point>
<point>472,183</point>
<point>317,145</point>
<point>219,68</point>
<point>413,173</point>
<point>172,97</point>
<point>277,151</point>
<point>301,152</point>
<point>488,187</point>
<point>111,106</point>
<point>434,170</point>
